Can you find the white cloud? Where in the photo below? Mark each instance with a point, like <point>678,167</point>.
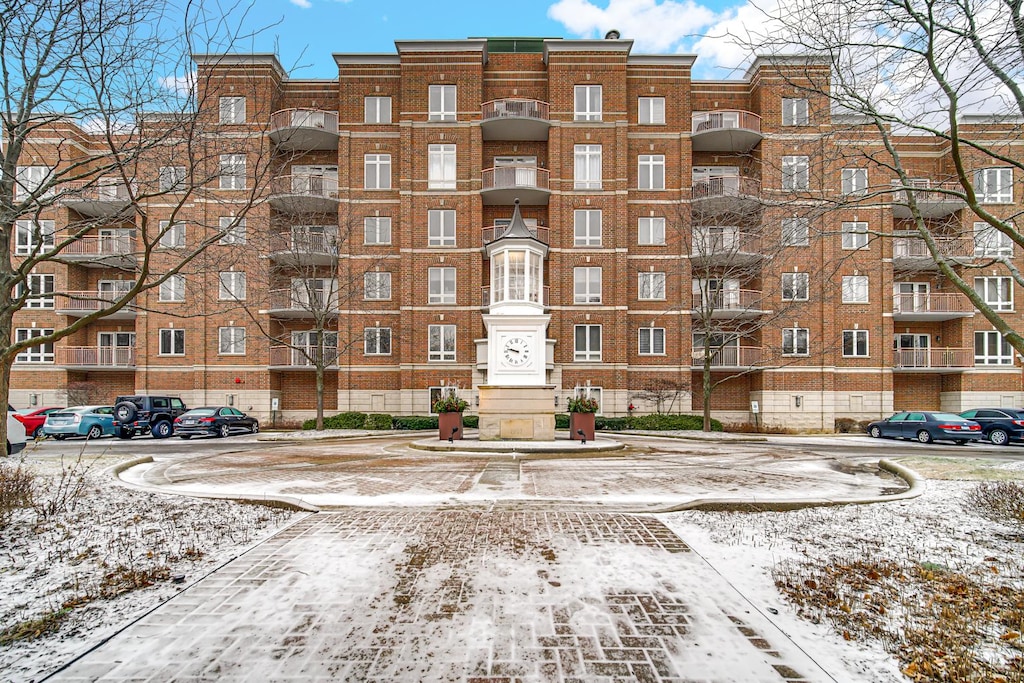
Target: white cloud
<point>182,85</point>
<point>653,26</point>
<point>304,4</point>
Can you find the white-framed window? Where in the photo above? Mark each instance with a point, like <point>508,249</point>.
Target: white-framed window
<point>441,287</point>
<point>795,286</point>
<point>33,236</point>
<point>232,286</point>
<point>651,341</point>
<point>377,230</point>
<point>40,291</point>
<point>586,285</point>
<point>588,102</point>
<point>41,353</point>
<point>997,292</point>
<point>376,109</point>
<point>232,171</point>
<point>173,289</point>
<point>795,231</point>
<point>855,344</point>
<point>377,286</point>
<point>377,171</point>
<point>651,111</point>
<point>441,227</point>
<point>312,347</point>
<point>795,111</point>
<point>587,227</point>
<point>172,235</point>
<point>651,286</point>
<point>232,229</point>
<point>315,294</point>
<point>587,167</point>
<point>651,172</point>
<point>855,289</point>
<point>172,342</point>
<point>587,342</point>
<point>376,341</point>
<point>855,180</point>
<point>994,185</point>
<point>991,348</point>
<point>855,234</point>
<point>442,103</point>
<point>441,343</point>
<point>232,110</point>
<point>794,341</point>
<point>172,178</point>
<point>231,341</point>
<point>795,173</point>
<point>651,230</point>
<point>29,179</point>
<point>989,241</point>
<point>441,167</point>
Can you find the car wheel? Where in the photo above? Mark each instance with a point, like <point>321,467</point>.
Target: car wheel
<point>224,431</point>
<point>185,436</point>
<point>960,442</point>
<point>999,437</point>
<point>125,411</point>
<point>255,427</point>
<point>875,432</point>
<point>161,430</point>
<point>125,433</point>
<point>36,433</point>
<point>95,432</point>
<point>59,437</point>
<point>924,437</point>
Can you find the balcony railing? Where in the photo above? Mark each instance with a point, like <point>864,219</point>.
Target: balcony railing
<point>933,359</point>
<point>85,302</point>
<point>726,186</point>
<point>96,197</point>
<point>542,297</point>
<point>505,184</point>
<point>933,199</point>
<point>725,131</point>
<point>304,129</point>
<point>733,300</point>
<point>514,109</point>
<point>728,357</point>
<point>304,193</point>
<point>933,302</point>
<point>493,232</point>
<point>300,304</point>
<point>912,252</point>
<point>304,247</point>
<point>723,241</point>
<point>305,357</point>
<point>96,356</point>
<point>116,251</point>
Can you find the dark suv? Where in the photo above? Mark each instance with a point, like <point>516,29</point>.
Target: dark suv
<point>140,414</point>
<point>999,425</point>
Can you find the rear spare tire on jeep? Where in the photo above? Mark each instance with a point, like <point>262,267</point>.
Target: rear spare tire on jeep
<point>125,412</point>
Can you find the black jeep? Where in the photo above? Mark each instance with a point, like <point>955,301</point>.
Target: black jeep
<point>140,414</point>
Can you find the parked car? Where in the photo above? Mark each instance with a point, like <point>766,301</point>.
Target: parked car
<point>34,419</point>
<point>926,426</point>
<point>92,422</point>
<point>147,414</point>
<point>999,425</point>
<point>15,433</point>
<point>214,421</point>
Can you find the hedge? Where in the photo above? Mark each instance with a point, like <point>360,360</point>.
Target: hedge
<point>381,421</point>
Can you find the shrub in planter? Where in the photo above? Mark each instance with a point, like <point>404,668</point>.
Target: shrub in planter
<point>378,421</point>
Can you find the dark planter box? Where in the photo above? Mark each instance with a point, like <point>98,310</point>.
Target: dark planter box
<point>446,422</point>
<point>584,421</point>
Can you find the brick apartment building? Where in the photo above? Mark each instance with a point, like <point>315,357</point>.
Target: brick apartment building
<point>675,223</point>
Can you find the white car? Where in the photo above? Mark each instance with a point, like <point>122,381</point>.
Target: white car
<point>15,433</point>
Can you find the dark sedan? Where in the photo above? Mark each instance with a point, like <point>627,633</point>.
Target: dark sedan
<point>214,421</point>
<point>999,425</point>
<point>925,426</point>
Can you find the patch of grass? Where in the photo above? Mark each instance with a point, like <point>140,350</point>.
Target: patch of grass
<point>964,469</point>
<point>31,629</point>
<point>17,490</point>
<point>1000,501</point>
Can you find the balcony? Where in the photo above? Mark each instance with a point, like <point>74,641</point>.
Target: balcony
<point>931,306</point>
<point>911,253</point>
<point>729,358</point>
<point>96,198</point>
<point>96,357</point>
<point>304,129</point>
<point>79,304</point>
<point>305,194</point>
<point>505,184</point>
<point>304,248</point>
<point>514,120</point>
<point>725,131</point>
<point>493,232</point>
<point>288,358</point>
<point>114,251</point>
<point>933,360</point>
<point>724,194</point>
<point>724,246</point>
<point>288,303</point>
<point>933,200</point>
<point>735,304</point>
<point>542,297</point>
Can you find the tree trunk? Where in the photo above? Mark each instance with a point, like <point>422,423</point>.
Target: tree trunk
<point>706,388</point>
<point>6,325</point>
<point>320,394</point>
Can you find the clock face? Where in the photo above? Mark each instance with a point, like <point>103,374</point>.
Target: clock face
<point>517,352</point>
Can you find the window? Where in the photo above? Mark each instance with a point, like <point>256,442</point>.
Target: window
<point>795,232</point>
<point>795,286</point>
<point>377,286</point>
<point>441,285</point>
<point>231,341</point>
<point>652,111</point>
<point>442,103</point>
<point>994,185</point>
<point>232,286</point>
<point>33,236</point>
<point>377,230</point>
<point>40,291</point>
<point>172,178</point>
<point>441,342</point>
<point>29,179</point>
<point>989,241</point>
<point>377,171</point>
<point>588,103</point>
<point>173,288</point>
<point>651,230</point>
<point>795,173</point>
<point>997,292</point>
<point>232,110</point>
<point>587,227</point>
<point>377,341</point>
<point>795,111</point>
<point>41,353</point>
<point>855,289</point>
<point>587,343</point>
<point>172,235</point>
<point>651,286</point>
<point>652,172</point>
<point>232,229</point>
<point>232,171</point>
<point>794,341</point>
<point>377,110</point>
<point>855,343</point>
<point>855,180</point>
<point>587,167</point>
<point>587,285</point>
<point>855,235</point>
<point>651,341</point>
<point>441,167</point>
<point>441,227</point>
<point>172,342</point>
<point>991,348</point>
